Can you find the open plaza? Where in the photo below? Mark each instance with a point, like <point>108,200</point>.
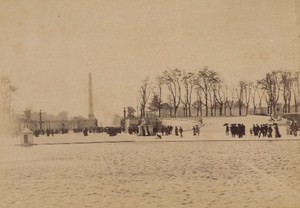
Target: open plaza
<point>210,170</point>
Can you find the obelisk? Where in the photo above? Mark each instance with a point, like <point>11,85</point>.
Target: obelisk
<point>91,111</point>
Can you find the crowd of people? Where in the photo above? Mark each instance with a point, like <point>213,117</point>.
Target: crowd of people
<point>165,130</point>
<point>293,128</point>
<point>263,130</point>
<point>267,130</point>
<point>49,132</point>
<point>85,131</point>
<point>196,130</point>
<point>89,130</point>
<point>235,130</point>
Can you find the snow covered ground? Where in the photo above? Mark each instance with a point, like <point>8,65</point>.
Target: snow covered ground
<point>211,170</point>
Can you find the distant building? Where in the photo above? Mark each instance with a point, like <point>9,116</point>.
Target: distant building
<point>75,123</point>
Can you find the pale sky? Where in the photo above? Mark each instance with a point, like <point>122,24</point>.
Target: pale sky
<point>48,47</point>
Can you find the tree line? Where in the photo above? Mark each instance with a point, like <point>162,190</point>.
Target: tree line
<point>208,94</point>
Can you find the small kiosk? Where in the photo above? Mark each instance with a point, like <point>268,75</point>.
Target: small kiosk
<point>27,138</point>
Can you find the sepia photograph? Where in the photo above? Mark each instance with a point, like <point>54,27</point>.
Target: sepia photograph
<point>150,103</point>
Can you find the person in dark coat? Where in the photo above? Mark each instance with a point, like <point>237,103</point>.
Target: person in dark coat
<point>243,130</point>
<point>36,133</point>
<point>277,134</point>
<point>240,130</point>
<point>254,130</point>
<point>198,130</point>
<point>265,130</point>
<point>227,130</point>
<point>270,131</point>
<point>181,131</point>
<point>233,130</point>
<point>85,131</point>
<point>176,131</point>
<point>258,130</point>
<point>163,130</point>
<point>295,128</point>
<point>48,132</point>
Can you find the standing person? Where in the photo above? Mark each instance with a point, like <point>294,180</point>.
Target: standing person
<point>258,130</point>
<point>243,129</point>
<point>232,130</point>
<point>176,131</point>
<point>198,130</point>
<point>254,130</point>
<point>295,128</point>
<point>194,131</point>
<point>163,130</point>
<point>270,131</point>
<point>36,133</point>
<point>171,129</point>
<point>85,131</point>
<point>180,131</point>
<point>266,130</point>
<point>227,130</point>
<point>262,128</point>
<point>240,130</point>
<point>277,134</point>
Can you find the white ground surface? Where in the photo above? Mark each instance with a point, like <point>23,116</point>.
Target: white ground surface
<point>212,170</point>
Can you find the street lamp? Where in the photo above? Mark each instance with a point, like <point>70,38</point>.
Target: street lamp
<point>124,111</point>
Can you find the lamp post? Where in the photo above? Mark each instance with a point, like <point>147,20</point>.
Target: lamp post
<point>124,112</point>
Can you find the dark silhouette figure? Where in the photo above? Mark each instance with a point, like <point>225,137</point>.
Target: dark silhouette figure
<point>277,134</point>
<point>85,131</point>
<point>270,131</point>
<point>176,131</point>
<point>227,130</point>
<point>181,131</point>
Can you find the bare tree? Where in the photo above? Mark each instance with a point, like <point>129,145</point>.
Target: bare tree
<point>198,103</point>
<point>172,79</point>
<point>254,97</point>
<point>230,100</point>
<point>240,95</point>
<point>144,93</point>
<point>221,98</point>
<point>271,83</point>
<point>159,84</point>
<point>247,93</point>
<point>296,90</point>
<point>261,94</point>
<point>225,93</point>
<point>188,81</point>
<point>207,80</point>
<point>286,81</point>
<point>212,99</point>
